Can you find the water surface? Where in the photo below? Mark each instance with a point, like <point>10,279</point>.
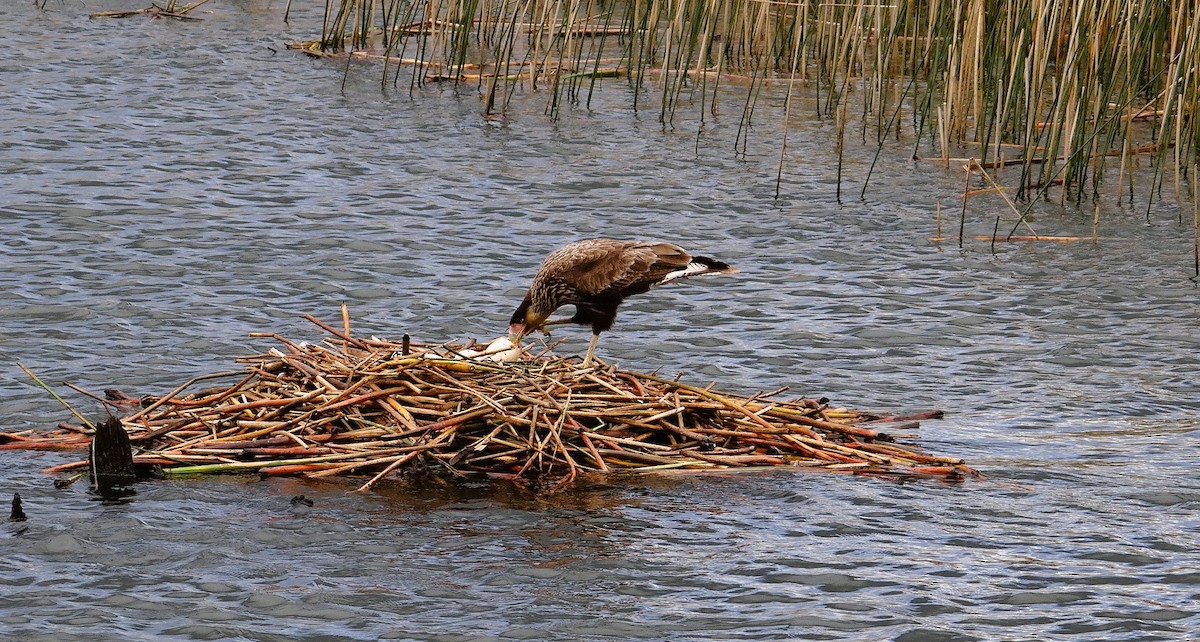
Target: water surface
<point>170,187</point>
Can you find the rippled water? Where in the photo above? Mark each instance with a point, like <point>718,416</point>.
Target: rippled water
<point>170,187</point>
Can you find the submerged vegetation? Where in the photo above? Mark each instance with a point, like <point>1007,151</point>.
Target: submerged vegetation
<point>1065,89</point>
<point>171,9</point>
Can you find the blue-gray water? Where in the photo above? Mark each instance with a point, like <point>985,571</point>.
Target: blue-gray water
<point>169,187</point>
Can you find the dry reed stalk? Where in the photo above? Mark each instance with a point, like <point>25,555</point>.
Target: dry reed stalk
<point>1060,80</point>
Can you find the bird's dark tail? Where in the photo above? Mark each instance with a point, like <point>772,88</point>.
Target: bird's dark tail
<point>700,265</point>
<point>713,266</point>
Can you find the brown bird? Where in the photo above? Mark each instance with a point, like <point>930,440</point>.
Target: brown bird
<point>595,275</point>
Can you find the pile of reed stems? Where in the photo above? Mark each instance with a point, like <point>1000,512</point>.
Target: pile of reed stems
<point>376,408</point>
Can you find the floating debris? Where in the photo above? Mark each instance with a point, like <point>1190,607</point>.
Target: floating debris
<point>18,512</point>
<point>172,10</point>
<point>111,457</point>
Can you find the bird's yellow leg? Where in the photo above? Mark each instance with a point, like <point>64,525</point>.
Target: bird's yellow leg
<point>587,360</point>
<point>554,322</point>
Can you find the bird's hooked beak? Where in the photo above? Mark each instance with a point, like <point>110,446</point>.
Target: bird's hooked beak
<point>524,325</point>
<point>525,320</point>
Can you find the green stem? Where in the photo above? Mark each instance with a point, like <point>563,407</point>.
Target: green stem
<point>56,397</point>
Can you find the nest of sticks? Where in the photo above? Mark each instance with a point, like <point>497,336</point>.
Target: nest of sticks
<point>376,408</point>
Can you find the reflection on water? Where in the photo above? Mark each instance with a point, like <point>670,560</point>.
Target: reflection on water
<point>170,188</point>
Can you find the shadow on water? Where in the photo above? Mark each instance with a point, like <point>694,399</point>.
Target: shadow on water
<point>110,496</point>
<point>419,493</point>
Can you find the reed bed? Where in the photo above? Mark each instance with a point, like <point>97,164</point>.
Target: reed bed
<point>1066,90</point>
<point>377,408</point>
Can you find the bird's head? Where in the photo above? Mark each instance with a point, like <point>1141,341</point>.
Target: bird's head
<point>526,320</point>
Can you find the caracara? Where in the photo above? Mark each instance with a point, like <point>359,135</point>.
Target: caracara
<point>595,275</point>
